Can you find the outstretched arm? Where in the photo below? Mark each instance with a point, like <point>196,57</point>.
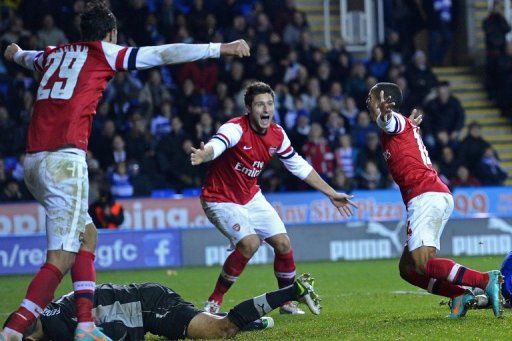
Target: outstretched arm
<point>140,58</point>
<point>304,171</point>
<point>27,59</point>
<point>340,200</point>
<point>226,137</point>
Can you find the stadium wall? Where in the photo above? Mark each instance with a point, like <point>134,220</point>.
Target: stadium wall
<point>175,232</point>
<point>205,246</point>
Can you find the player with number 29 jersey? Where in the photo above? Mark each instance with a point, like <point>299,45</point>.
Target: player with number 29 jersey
<point>74,78</point>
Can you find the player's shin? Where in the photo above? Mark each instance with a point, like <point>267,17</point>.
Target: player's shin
<point>253,309</point>
<point>284,268</point>
<point>39,293</point>
<point>447,269</point>
<point>232,268</point>
<point>83,275</point>
<point>434,286</point>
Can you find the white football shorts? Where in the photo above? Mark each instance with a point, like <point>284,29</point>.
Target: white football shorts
<point>59,182</point>
<point>237,221</point>
<point>427,215</point>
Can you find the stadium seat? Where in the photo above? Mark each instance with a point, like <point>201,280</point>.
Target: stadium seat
<point>191,192</point>
<point>163,193</point>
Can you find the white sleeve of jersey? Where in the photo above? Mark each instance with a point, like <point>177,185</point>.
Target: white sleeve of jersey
<point>140,58</point>
<point>291,160</point>
<point>226,137</point>
<point>395,125</point>
<point>32,60</point>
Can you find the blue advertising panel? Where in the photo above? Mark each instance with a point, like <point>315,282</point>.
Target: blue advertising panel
<point>115,250</point>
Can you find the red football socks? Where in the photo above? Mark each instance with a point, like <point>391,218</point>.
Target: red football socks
<point>232,268</point>
<point>447,269</point>
<point>284,268</point>
<point>39,293</point>
<point>83,275</point>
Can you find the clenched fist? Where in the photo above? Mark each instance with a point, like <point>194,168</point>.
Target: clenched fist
<point>237,48</point>
<point>10,51</point>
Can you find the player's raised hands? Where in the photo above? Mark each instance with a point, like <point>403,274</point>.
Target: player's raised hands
<point>237,48</point>
<point>10,51</point>
<point>386,106</point>
<point>416,117</point>
<point>343,203</point>
<point>201,155</point>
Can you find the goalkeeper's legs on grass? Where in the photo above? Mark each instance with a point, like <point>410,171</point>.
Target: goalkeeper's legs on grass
<point>206,326</point>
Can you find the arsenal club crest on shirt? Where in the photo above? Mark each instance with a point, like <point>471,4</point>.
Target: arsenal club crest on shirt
<point>272,150</point>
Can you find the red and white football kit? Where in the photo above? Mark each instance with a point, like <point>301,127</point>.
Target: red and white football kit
<point>428,200</point>
<point>231,197</point>
<point>73,79</point>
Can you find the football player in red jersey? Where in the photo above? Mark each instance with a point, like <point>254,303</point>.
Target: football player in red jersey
<point>73,79</point>
<point>231,197</point>
<point>429,205</point>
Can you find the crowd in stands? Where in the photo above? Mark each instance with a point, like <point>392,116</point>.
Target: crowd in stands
<point>147,121</point>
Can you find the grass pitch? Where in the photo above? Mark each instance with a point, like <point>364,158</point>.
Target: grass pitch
<point>364,300</point>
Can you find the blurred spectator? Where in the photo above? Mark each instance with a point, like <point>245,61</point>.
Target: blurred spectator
<point>11,192</point>
<point>349,111</point>
<point>377,66</point>
<point>408,18</point>
<point>121,185</point>
<point>334,127</point>
<point>473,146</point>
<point>238,30</point>
<point>105,212</point>
<point>341,182</point>
<point>153,93</point>
<point>161,123</point>
<point>320,112</point>
<point>7,131</point>
<point>299,133</point>
<point>318,153</point>
<point>503,88</point>
<point>371,152</point>
<point>356,85</point>
<point>138,139</point>
<point>444,113</point>
<point>448,165</point>
<point>346,156</point>
<point>204,128</point>
<point>16,32</point>
<point>370,177</point>
<point>181,173</point>
<point>49,35</point>
<point>496,28</point>
<point>420,77</point>
<point>489,171</point>
<point>292,32</point>
<point>464,178</point>
<point>362,128</point>
<point>407,99</point>
<point>116,155</point>
<point>336,95</point>
<point>440,24</point>
<point>18,170</point>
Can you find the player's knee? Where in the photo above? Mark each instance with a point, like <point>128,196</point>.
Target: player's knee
<point>283,245</point>
<point>248,246</point>
<point>90,238</point>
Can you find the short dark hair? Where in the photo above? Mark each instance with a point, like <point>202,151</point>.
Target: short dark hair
<point>254,89</point>
<point>390,90</point>
<point>96,21</point>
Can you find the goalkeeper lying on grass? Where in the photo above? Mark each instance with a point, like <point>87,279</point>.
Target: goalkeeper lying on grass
<point>128,312</point>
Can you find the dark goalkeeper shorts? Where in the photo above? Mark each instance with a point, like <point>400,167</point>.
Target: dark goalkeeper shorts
<point>165,313</point>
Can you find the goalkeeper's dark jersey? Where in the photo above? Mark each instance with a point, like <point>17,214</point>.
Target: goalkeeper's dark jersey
<point>125,312</point>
